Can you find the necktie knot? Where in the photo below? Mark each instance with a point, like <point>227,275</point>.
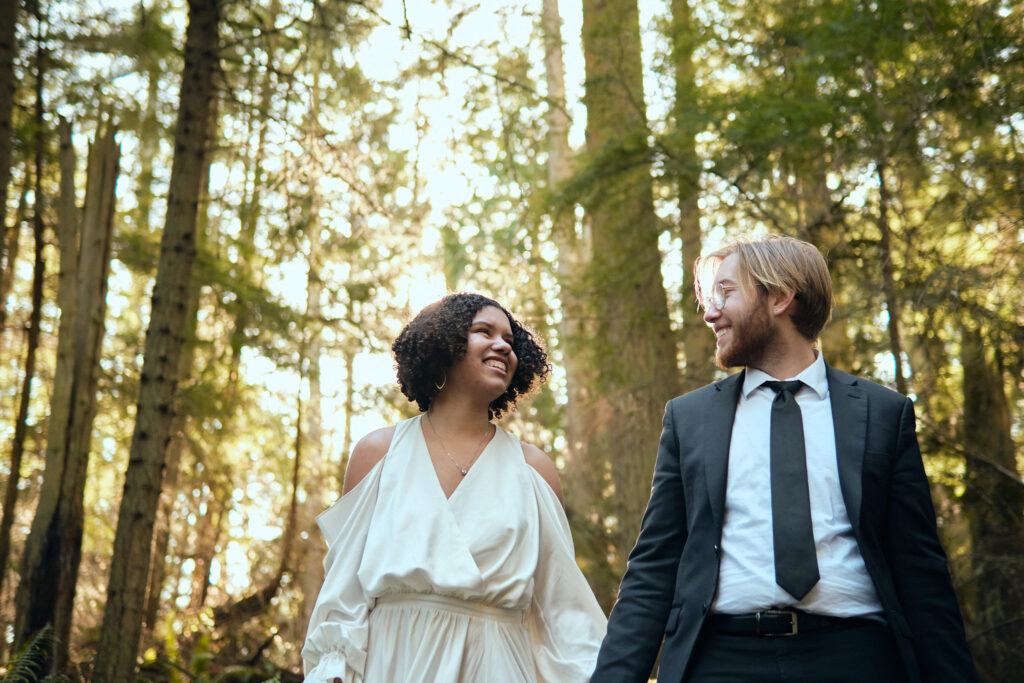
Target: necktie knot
<point>791,386</point>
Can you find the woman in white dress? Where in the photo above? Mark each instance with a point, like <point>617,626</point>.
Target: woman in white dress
<point>449,554</point>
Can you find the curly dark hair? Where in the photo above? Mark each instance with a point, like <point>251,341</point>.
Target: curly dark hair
<point>435,340</point>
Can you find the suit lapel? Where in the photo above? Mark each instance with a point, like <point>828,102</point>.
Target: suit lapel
<point>721,410</point>
<point>850,412</point>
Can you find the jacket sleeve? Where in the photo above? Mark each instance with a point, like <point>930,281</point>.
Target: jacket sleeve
<point>564,620</point>
<point>918,566</point>
<point>636,626</point>
<point>336,639</point>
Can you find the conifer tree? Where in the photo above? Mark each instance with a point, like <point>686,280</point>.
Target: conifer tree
<point>123,616</point>
<point>633,353</point>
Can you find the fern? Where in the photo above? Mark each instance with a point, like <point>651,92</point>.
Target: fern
<point>29,665</point>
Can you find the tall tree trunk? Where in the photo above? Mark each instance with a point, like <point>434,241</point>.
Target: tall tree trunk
<point>889,278</point>
<point>23,616</point>
<point>208,531</point>
<point>122,619</point>
<point>314,291</point>
<point>308,569</point>
<point>575,329</point>
<point>882,156</point>
<point>8,51</point>
<point>313,549</point>
<point>93,271</point>
<point>826,232</point>
<point>11,244</point>
<point>633,354</point>
<point>994,506</point>
<point>67,230</point>
<point>698,342</point>
<point>177,445</point>
<point>21,421</point>
<point>10,248</point>
<point>162,534</point>
<point>54,547</point>
<point>571,246</point>
<point>149,145</point>
<point>350,406</point>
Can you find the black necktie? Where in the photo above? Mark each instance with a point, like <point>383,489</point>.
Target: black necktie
<point>796,564</point>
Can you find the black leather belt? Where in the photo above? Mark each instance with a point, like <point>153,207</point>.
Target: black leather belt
<point>774,623</point>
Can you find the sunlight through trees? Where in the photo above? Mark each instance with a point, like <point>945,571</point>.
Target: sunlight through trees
<point>217,215</point>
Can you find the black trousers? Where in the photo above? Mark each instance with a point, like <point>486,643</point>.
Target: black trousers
<point>856,654</point>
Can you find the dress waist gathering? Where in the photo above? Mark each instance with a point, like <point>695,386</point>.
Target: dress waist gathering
<point>469,608</point>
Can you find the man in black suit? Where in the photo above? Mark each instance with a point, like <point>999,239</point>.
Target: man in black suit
<point>754,565</point>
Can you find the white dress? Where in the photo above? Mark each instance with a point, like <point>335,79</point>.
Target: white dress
<point>481,587</point>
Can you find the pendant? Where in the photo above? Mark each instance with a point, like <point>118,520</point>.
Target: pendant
<point>464,472</point>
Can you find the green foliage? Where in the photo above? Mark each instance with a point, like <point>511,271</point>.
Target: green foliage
<point>30,663</point>
<point>795,107</point>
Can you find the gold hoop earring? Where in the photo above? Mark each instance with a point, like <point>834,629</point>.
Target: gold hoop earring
<point>443,382</point>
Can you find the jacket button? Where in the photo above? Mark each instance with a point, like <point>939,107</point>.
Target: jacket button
<point>716,549</point>
<point>704,608</point>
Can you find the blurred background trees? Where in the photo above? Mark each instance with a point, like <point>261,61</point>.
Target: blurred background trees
<point>341,164</point>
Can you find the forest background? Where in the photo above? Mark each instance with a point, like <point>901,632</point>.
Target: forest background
<point>217,215</point>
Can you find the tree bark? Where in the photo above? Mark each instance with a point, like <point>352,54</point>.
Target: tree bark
<point>826,232</point>
<point>11,246</point>
<point>208,531</point>
<point>21,421</point>
<point>8,51</point>
<point>22,615</point>
<point>889,278</point>
<point>698,342</point>
<point>176,448</point>
<point>67,229</point>
<point>150,131</point>
<point>571,244</point>
<point>633,354</point>
<point>313,549</point>
<point>162,534</point>
<point>122,619</point>
<point>93,271</point>
<point>583,484</point>
<point>308,569</point>
<point>54,547</point>
<point>994,507</point>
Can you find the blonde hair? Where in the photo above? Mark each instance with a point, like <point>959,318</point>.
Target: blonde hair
<point>774,264</point>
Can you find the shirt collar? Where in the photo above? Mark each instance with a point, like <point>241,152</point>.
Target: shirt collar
<point>813,376</point>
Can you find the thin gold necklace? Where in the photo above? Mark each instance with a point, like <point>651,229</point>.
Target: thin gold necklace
<point>479,448</point>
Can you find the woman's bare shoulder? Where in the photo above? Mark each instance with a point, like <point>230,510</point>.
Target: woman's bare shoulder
<point>368,451</point>
<point>539,460</point>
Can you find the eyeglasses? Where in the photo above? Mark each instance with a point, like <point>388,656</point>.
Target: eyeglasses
<point>717,296</point>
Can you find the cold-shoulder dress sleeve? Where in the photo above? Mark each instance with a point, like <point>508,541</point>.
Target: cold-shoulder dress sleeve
<point>337,634</point>
<point>565,622</point>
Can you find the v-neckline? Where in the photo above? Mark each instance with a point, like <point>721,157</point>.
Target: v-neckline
<point>469,472</point>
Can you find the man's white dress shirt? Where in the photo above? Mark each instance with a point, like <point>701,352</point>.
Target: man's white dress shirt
<point>746,578</point>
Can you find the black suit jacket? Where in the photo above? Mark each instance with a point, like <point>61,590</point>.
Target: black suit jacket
<point>672,573</point>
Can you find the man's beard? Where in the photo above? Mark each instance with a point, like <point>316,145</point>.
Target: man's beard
<point>750,338</point>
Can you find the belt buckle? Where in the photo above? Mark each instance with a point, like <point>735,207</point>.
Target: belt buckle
<point>775,613</point>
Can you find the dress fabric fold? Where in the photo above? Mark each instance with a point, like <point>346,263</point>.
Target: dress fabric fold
<point>479,587</point>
